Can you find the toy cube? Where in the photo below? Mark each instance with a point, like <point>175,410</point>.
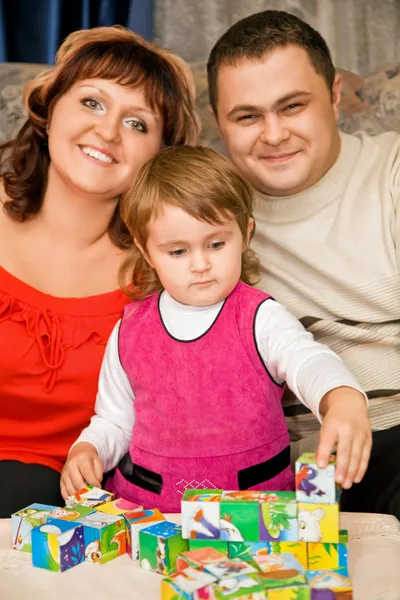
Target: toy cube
<point>57,545</point>
<point>135,521</point>
<point>119,507</point>
<point>292,592</point>
<point>318,522</point>
<point>71,514</point>
<point>218,545</point>
<point>280,570</point>
<point>198,559</point>
<point>24,520</point>
<point>239,516</point>
<point>328,556</point>
<point>246,550</point>
<point>231,567</point>
<point>89,496</point>
<point>278,517</point>
<point>244,586</point>
<point>104,536</point>
<point>329,581</point>
<point>200,514</point>
<point>159,545</point>
<point>188,584</point>
<point>298,549</point>
<point>314,484</point>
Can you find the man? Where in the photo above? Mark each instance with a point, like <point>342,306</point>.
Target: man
<point>328,222</point>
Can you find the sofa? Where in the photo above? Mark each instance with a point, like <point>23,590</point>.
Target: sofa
<point>370,103</point>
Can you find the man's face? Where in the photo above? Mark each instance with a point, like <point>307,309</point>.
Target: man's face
<point>278,120</point>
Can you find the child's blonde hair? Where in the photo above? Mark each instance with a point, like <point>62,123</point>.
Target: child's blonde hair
<point>200,181</point>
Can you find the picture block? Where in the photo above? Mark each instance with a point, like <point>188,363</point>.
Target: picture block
<point>104,536</point>
<point>201,514</point>
<point>24,520</point>
<point>239,516</point>
<point>188,584</point>
<point>89,496</point>
<point>159,545</point>
<point>57,545</point>
<point>134,522</point>
<point>318,522</point>
<point>314,484</point>
<point>278,516</point>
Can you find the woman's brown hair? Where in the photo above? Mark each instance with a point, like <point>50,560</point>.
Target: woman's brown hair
<point>112,53</point>
<point>200,181</point>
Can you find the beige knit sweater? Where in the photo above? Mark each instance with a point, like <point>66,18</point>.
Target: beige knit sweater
<point>331,254</point>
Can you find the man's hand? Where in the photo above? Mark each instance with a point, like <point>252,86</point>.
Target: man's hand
<point>83,467</point>
<point>345,427</point>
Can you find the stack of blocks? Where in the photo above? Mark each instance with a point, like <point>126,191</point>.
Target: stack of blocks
<point>253,545</point>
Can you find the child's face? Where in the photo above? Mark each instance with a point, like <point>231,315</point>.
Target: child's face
<point>199,264</point>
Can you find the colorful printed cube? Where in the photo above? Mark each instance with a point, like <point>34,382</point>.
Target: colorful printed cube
<point>246,550</point>
<point>278,516</point>
<point>198,559</point>
<point>104,537</point>
<point>159,545</point>
<point>231,567</point>
<point>89,496</point>
<point>57,545</point>
<point>280,570</point>
<point>328,556</point>
<point>245,586</point>
<point>332,581</point>
<point>292,592</point>
<point>71,514</point>
<point>24,520</point>
<point>119,507</point>
<point>239,516</point>
<point>218,545</point>
<point>314,484</point>
<point>135,521</point>
<point>201,514</point>
<point>318,523</point>
<point>188,584</point>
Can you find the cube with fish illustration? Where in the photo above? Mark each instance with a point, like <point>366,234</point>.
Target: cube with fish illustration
<point>188,584</point>
<point>104,536</point>
<point>201,514</point>
<point>329,581</point>
<point>159,545</point>
<point>314,484</point>
<point>318,522</point>
<point>119,507</point>
<point>239,516</point>
<point>135,521</point>
<point>280,570</point>
<point>328,556</point>
<point>247,587</point>
<point>198,559</point>
<point>278,516</point>
<point>24,520</point>
<point>57,545</point>
<point>71,514</point>
<point>89,496</point>
<point>218,545</point>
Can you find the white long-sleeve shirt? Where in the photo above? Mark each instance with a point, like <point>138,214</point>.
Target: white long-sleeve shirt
<point>289,353</point>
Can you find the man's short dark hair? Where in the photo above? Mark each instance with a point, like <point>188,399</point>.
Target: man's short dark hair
<point>255,36</point>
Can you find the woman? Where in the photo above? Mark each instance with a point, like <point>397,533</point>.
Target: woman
<point>109,104</point>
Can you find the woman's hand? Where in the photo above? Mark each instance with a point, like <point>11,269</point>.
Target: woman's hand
<point>345,426</point>
<point>83,467</point>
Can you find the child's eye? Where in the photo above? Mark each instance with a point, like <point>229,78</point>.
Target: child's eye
<point>136,124</point>
<point>217,245</point>
<point>179,252</point>
<point>91,103</point>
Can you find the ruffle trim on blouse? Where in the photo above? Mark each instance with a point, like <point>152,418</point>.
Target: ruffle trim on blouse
<point>55,333</point>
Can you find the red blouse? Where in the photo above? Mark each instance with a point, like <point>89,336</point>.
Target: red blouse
<point>51,351</point>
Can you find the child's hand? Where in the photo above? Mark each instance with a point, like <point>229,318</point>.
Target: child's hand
<point>83,467</point>
<point>345,426</point>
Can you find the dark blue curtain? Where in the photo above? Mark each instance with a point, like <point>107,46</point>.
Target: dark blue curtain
<point>32,30</point>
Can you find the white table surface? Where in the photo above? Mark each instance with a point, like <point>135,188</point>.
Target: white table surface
<point>374,562</point>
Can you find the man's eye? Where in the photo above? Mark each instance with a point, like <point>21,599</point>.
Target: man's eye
<point>292,106</point>
<point>217,245</point>
<point>179,252</point>
<point>136,124</point>
<point>246,117</point>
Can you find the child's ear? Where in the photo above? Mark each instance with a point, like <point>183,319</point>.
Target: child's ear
<point>250,229</point>
<point>143,252</point>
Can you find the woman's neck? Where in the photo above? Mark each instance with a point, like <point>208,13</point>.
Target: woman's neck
<point>74,217</point>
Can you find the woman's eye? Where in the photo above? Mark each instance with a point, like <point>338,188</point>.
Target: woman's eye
<point>136,124</point>
<point>217,245</point>
<point>91,103</point>
<point>179,252</point>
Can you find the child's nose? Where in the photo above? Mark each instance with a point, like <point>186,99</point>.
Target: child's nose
<point>199,262</point>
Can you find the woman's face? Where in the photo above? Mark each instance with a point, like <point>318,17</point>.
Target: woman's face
<point>100,134</point>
